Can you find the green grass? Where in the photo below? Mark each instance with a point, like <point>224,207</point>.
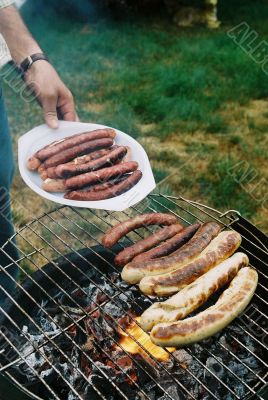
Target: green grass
<point>190,87</point>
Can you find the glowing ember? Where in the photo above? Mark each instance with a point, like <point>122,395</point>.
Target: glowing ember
<point>143,340</point>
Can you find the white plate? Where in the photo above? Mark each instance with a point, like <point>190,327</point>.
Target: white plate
<point>42,135</point>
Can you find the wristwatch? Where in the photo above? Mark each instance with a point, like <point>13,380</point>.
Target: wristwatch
<point>28,61</point>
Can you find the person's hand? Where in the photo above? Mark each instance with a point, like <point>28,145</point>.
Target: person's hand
<point>54,97</point>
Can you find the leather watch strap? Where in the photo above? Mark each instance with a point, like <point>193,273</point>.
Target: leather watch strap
<point>28,61</point>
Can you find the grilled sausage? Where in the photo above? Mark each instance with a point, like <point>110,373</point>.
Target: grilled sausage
<point>115,190</point>
<point>224,245</point>
<point>42,172</point>
<point>52,171</point>
<point>33,163</point>
<point>106,185</point>
<point>67,170</point>
<point>83,148</point>
<point>128,156</point>
<point>230,304</point>
<point>100,176</point>
<point>134,272</point>
<point>53,185</point>
<point>169,246</point>
<point>127,254</point>
<point>113,235</point>
<point>72,141</point>
<point>194,295</point>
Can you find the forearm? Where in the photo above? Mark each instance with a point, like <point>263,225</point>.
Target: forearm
<point>19,40</point>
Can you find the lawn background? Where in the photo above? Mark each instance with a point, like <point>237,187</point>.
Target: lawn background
<point>192,97</point>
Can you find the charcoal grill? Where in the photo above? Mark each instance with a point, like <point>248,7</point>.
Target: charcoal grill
<point>44,333</point>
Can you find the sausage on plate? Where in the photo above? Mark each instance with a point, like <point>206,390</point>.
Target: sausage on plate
<point>194,295</point>
<point>220,248</point>
<point>67,170</point>
<point>230,304</point>
<point>128,253</point>
<point>135,271</point>
<point>100,176</point>
<point>114,234</point>
<point>51,171</point>
<point>113,191</point>
<point>53,185</point>
<point>72,141</point>
<point>78,150</point>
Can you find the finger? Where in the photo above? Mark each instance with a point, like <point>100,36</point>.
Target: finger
<point>50,113</point>
<point>66,107</point>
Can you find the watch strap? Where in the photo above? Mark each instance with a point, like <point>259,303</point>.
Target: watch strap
<point>28,61</point>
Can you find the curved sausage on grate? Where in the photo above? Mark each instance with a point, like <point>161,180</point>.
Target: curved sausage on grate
<point>127,254</point>
<point>231,303</point>
<point>113,235</point>
<point>222,247</point>
<point>116,189</point>
<point>194,295</point>
<point>169,246</point>
<point>83,148</point>
<point>135,271</point>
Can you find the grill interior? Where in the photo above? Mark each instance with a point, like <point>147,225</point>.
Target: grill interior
<point>44,334</point>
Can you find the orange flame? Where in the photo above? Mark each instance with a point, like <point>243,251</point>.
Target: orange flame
<point>143,340</point>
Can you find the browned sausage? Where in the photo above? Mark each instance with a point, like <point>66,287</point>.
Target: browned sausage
<point>51,171</point>
<point>33,163</point>
<point>112,236</point>
<point>83,148</point>
<point>42,172</point>
<point>135,271</point>
<point>169,246</point>
<point>67,170</point>
<point>127,254</point>
<point>218,250</point>
<point>72,141</point>
<point>230,304</point>
<point>53,185</point>
<point>106,185</point>
<point>115,190</point>
<point>100,176</point>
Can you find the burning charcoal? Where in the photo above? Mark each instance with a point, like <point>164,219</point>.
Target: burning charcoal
<point>172,391</point>
<point>183,357</point>
<point>215,370</point>
<point>146,368</point>
<point>215,367</point>
<point>103,385</point>
<point>238,368</point>
<point>112,309</point>
<point>89,344</point>
<point>150,390</point>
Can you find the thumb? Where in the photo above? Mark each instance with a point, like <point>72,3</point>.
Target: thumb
<point>50,113</point>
